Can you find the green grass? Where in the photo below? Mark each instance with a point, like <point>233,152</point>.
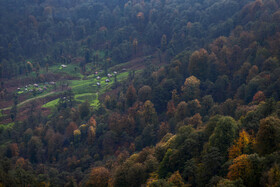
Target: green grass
<point>91,97</point>
<point>70,69</point>
<point>51,104</point>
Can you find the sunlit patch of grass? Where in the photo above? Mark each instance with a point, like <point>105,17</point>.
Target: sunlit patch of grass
<point>91,97</point>
<point>51,104</point>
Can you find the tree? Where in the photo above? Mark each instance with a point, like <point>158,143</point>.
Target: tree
<point>198,64</point>
<point>258,97</point>
<point>13,150</point>
<point>91,135</point>
<point>163,43</point>
<point>240,168</point>
<point>246,167</point>
<point>273,176</point>
<point>164,167</point>
<point>170,109</point>
<point>243,145</point>
<point>70,129</point>
<point>163,130</point>
<point>87,56</point>
<point>136,175</point>
<point>13,112</point>
<point>176,179</point>
<point>84,109</point>
<point>66,100</point>
<point>144,93</point>
<point>135,45</point>
<point>268,136</point>
<point>77,135</point>
<point>131,95</point>
<point>99,177</point>
<point>92,122</point>
<point>149,113</point>
<point>181,111</point>
<point>224,134</point>
<point>190,89</point>
<point>195,121</point>
<point>211,165</point>
<point>230,183</point>
<point>34,149</point>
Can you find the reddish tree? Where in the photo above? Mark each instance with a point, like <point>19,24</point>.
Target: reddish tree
<point>258,97</point>
<point>70,129</point>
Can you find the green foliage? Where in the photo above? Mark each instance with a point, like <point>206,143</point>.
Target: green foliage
<point>268,136</point>
<point>224,134</point>
<point>84,109</point>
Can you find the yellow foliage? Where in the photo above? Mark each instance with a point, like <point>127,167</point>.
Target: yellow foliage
<point>153,178</point>
<point>243,145</point>
<point>91,134</point>
<point>77,132</point>
<point>77,135</point>
<point>192,81</point>
<point>176,179</point>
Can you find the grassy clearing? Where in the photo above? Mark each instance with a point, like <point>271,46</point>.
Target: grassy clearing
<point>88,89</point>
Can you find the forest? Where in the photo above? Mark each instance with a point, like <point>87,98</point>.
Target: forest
<point>130,93</point>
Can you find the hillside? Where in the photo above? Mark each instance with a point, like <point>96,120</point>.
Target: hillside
<point>139,93</point>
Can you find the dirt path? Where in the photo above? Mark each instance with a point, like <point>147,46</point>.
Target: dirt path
<point>29,100</point>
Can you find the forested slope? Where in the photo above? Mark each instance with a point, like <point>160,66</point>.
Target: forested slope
<point>208,117</point>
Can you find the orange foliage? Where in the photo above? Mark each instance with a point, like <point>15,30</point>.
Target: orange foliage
<point>92,121</point>
<point>99,177</point>
<point>119,123</point>
<point>195,121</point>
<point>14,149</point>
<point>258,97</point>
<point>189,25</point>
<point>240,168</point>
<point>140,16</point>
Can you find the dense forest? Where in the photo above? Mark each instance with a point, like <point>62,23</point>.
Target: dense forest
<point>193,99</point>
